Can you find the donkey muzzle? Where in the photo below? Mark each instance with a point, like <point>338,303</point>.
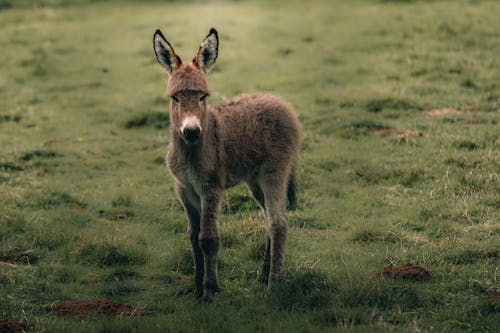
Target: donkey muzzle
<point>191,129</point>
<point>191,135</point>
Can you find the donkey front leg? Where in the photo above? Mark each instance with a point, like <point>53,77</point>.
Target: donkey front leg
<point>209,241</point>
<point>191,203</point>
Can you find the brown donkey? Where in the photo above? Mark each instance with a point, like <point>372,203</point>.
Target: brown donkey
<point>253,138</point>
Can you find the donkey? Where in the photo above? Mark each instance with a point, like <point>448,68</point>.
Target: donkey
<point>253,138</point>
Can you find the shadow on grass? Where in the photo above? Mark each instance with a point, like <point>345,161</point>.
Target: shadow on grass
<point>56,199</point>
<point>360,128</point>
<point>157,120</point>
<point>39,153</point>
<point>19,256</point>
<point>105,255</point>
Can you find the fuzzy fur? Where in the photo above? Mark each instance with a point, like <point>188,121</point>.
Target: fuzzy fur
<point>187,77</point>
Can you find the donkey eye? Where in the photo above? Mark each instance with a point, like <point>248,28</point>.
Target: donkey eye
<point>203,98</point>
<point>175,99</point>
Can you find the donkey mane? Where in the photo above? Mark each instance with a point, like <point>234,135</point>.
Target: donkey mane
<point>253,138</point>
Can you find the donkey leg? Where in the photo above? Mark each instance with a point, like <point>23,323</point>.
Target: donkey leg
<point>275,200</point>
<point>259,196</point>
<point>191,203</point>
<point>266,266</point>
<point>209,241</point>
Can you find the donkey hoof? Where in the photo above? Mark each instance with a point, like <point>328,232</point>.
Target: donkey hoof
<point>273,280</point>
<point>198,293</point>
<point>208,296</point>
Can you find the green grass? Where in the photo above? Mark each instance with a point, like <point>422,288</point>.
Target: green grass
<point>88,208</point>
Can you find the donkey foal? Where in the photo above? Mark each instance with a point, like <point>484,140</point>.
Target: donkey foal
<point>253,138</point>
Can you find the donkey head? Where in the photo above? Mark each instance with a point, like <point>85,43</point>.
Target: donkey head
<point>187,84</point>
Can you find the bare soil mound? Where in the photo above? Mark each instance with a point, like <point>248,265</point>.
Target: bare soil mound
<point>494,295</point>
<point>12,326</point>
<point>97,307</point>
<point>407,271</point>
<point>440,112</point>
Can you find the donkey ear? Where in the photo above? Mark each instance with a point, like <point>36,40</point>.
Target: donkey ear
<point>165,54</point>
<point>209,49</point>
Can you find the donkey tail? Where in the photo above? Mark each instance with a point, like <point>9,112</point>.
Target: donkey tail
<point>292,190</point>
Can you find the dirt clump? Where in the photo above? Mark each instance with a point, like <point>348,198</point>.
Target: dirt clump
<point>393,132</point>
<point>78,207</point>
<point>12,326</point>
<point>407,271</point>
<point>96,307</point>
<point>494,295</point>
<point>440,112</point>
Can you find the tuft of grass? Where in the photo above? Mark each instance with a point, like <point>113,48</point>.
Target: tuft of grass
<point>361,127</point>
<point>8,118</point>
<point>386,103</point>
<point>121,274</point>
<point>160,160</point>
<point>107,255</point>
<point>122,201</point>
<point>180,261</point>
<point>9,167</point>
<point>366,236</point>
<point>470,256</point>
<point>302,290</point>
<point>239,203</point>
<point>468,145</point>
<point>55,199</point>
<point>39,153</point>
<point>20,256</point>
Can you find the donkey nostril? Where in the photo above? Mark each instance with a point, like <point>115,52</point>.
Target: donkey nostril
<point>191,134</point>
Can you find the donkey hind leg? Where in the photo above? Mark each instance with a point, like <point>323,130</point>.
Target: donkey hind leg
<point>274,189</point>
<point>191,203</point>
<point>209,241</point>
<point>259,196</point>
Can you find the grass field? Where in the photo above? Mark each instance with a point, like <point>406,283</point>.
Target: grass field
<point>87,207</point>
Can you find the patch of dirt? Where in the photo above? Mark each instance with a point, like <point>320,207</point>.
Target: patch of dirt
<point>12,326</point>
<point>96,307</point>
<point>407,271</point>
<point>78,207</point>
<point>393,132</point>
<point>440,112</point>
<point>494,295</point>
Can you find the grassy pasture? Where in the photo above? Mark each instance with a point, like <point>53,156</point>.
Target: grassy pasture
<point>87,207</point>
